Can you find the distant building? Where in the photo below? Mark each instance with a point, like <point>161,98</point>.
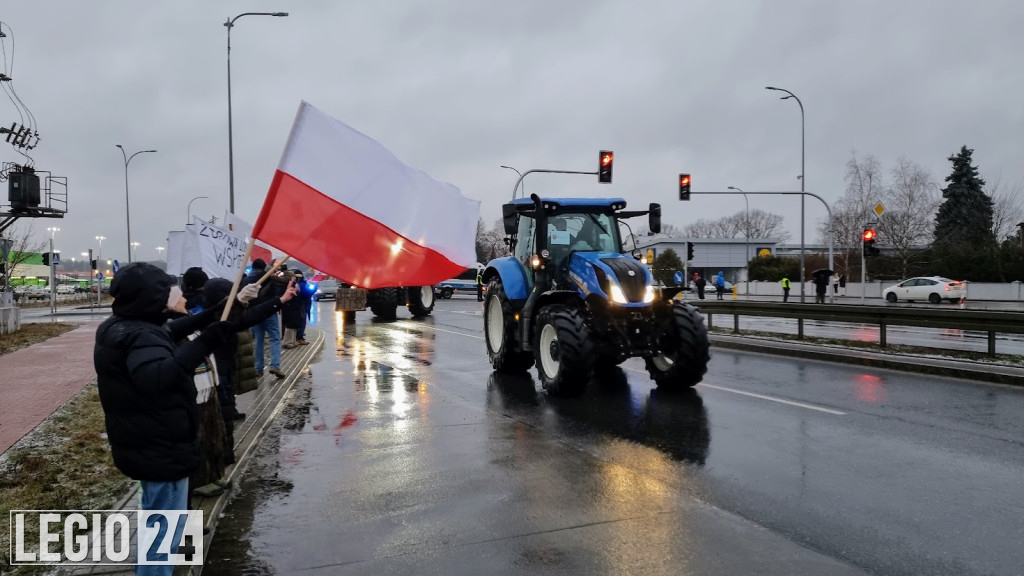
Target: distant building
<point>730,255</point>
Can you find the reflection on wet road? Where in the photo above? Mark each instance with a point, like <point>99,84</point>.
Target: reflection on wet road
<point>404,453</point>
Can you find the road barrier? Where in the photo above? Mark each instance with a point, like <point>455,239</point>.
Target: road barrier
<point>991,322</point>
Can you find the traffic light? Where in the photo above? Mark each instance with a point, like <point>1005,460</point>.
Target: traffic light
<point>46,258</point>
<point>684,186</point>
<point>604,167</point>
<point>689,251</point>
<point>869,243</point>
<point>93,264</point>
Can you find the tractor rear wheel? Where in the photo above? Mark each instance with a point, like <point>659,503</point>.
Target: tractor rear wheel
<point>500,332</point>
<point>383,302</point>
<point>421,300</point>
<point>683,358</point>
<point>565,353</point>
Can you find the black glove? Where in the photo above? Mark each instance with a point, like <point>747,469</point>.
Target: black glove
<point>217,334</point>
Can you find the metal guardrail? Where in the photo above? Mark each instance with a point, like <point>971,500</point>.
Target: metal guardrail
<point>991,322</point>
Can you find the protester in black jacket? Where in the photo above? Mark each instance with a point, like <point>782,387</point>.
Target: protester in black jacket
<point>146,382</point>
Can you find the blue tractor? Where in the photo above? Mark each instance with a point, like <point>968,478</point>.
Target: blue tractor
<point>570,300</point>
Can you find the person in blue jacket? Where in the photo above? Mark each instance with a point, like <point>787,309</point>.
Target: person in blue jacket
<point>720,284</point>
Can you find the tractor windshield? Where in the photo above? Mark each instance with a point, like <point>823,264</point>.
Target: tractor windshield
<point>590,231</point>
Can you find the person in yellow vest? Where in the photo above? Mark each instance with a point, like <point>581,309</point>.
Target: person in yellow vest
<point>785,289</point>
<point>479,285</point>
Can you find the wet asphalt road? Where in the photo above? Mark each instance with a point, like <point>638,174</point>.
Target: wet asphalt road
<point>405,454</point>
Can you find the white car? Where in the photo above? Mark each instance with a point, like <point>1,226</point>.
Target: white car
<point>65,289</point>
<point>934,289</point>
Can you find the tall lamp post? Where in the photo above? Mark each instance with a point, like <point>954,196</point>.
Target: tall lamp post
<point>520,176</point>
<point>746,232</point>
<point>231,150</point>
<point>128,213</point>
<point>135,250</point>
<point>189,221</point>
<point>159,252</point>
<point>802,180</point>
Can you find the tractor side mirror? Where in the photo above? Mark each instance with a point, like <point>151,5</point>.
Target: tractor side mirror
<point>508,216</point>
<point>655,218</point>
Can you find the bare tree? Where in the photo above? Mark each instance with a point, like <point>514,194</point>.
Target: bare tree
<point>491,243</point>
<point>23,246</point>
<point>702,228</point>
<point>910,204</point>
<point>760,224</point>
<point>1007,208</point>
<point>864,189</point>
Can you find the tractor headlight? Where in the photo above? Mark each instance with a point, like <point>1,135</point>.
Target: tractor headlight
<point>616,293</point>
<point>649,294</point>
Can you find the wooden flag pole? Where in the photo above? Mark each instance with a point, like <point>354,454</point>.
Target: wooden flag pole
<point>238,279</point>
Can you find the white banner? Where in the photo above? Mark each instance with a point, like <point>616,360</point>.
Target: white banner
<point>182,251</point>
<point>236,225</point>
<point>221,251</point>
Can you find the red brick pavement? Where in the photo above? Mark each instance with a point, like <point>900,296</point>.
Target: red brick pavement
<point>36,380</point>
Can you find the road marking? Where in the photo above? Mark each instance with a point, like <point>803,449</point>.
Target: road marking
<point>454,332</point>
<point>762,397</point>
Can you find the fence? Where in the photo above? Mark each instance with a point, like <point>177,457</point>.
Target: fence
<point>990,322</point>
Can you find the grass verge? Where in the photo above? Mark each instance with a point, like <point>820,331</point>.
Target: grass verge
<point>64,464</point>
<point>32,334</point>
<point>1002,359</point>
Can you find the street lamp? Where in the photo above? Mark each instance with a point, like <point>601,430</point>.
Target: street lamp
<point>135,247</point>
<point>802,179</point>
<point>189,221</point>
<point>128,213</point>
<point>159,252</point>
<point>746,232</point>
<point>53,231</point>
<point>520,178</point>
<point>231,151</point>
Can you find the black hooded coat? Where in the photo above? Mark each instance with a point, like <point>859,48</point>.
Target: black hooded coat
<point>145,382</point>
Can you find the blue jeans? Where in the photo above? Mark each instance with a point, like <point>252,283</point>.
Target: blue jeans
<point>271,327</point>
<point>163,496</point>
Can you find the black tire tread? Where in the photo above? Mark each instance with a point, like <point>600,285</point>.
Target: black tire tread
<point>416,307</point>
<point>384,302</point>
<point>693,350</point>
<point>577,350</point>
<point>507,360</point>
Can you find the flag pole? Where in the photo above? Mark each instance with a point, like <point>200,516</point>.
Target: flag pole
<point>241,272</point>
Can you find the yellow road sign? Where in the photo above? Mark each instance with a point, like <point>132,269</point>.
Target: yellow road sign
<point>879,209</point>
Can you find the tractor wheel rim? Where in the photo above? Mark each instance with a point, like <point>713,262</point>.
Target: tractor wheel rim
<point>547,350</point>
<point>427,296</point>
<point>495,324</point>
<point>663,362</point>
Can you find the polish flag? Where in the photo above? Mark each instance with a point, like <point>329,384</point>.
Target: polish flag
<point>343,204</point>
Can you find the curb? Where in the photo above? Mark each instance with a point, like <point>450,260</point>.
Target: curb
<point>991,373</point>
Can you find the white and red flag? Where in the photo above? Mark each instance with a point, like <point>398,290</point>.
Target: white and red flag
<point>343,204</point>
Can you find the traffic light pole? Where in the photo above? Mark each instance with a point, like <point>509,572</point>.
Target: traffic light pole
<point>53,287</point>
<point>524,174</point>
<point>831,233</point>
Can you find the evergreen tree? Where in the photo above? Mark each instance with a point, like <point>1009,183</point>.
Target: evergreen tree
<point>665,267</point>
<point>965,215</point>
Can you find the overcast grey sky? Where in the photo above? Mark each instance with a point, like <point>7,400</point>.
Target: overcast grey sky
<point>458,87</point>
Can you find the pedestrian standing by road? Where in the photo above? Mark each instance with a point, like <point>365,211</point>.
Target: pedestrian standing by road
<point>479,285</point>
<point>146,385</point>
<point>700,283</point>
<point>821,282</point>
<point>842,285</point>
<point>785,288</point>
<point>720,285</point>
<point>305,296</point>
<point>835,284</point>
<point>269,328</point>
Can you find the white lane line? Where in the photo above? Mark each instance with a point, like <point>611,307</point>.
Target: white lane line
<point>763,397</point>
<point>453,332</point>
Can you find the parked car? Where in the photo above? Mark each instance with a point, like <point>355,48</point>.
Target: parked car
<point>36,293</point>
<point>934,289</point>
<point>66,289</point>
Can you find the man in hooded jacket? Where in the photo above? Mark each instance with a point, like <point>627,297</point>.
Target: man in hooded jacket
<point>146,382</point>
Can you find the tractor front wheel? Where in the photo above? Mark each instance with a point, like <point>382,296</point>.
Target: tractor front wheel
<point>565,353</point>
<point>500,332</point>
<point>684,352</point>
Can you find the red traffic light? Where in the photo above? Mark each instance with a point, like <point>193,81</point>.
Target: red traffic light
<point>684,180</point>
<point>869,234</point>
<point>606,159</point>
